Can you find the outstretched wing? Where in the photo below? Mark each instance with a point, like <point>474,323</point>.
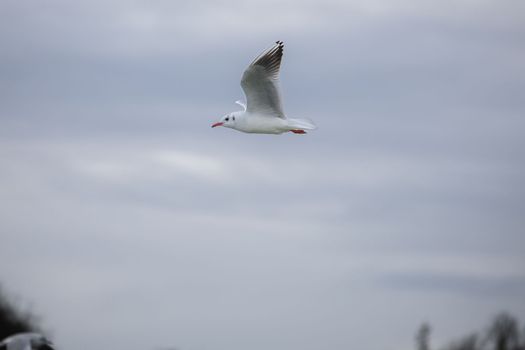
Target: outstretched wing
<point>260,83</point>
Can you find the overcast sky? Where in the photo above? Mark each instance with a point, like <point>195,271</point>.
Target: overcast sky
<point>129,223</point>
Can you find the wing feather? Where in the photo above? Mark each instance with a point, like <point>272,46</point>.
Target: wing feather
<point>260,83</point>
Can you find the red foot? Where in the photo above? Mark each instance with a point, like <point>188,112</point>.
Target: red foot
<point>299,131</point>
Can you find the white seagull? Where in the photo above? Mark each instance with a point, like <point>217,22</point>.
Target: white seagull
<point>26,341</point>
<point>263,113</point>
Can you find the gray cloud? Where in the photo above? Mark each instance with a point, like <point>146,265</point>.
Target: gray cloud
<point>131,223</point>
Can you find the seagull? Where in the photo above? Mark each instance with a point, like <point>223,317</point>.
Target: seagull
<point>26,341</point>
<point>263,113</point>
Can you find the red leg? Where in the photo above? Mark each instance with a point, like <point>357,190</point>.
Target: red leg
<point>298,131</point>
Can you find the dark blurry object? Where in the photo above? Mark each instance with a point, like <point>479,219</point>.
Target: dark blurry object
<point>503,332</point>
<point>470,342</point>
<point>26,341</point>
<point>13,320</point>
<point>423,337</point>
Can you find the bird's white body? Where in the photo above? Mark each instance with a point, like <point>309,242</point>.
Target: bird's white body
<point>256,123</point>
<point>259,124</point>
<point>263,113</point>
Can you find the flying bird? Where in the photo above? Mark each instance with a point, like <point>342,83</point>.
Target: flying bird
<point>263,113</point>
<point>26,341</point>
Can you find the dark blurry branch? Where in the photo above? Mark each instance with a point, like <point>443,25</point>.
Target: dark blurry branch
<point>470,342</point>
<point>423,337</point>
<point>14,319</point>
<point>502,334</point>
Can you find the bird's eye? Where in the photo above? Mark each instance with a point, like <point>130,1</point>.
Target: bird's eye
<point>233,118</point>
<point>227,119</point>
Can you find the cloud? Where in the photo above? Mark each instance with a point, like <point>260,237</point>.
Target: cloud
<point>120,202</point>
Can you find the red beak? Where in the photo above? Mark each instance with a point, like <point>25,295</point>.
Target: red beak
<point>217,124</point>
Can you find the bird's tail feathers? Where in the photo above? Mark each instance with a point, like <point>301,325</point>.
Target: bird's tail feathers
<point>303,124</point>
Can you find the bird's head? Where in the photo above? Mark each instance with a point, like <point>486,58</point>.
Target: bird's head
<point>227,121</point>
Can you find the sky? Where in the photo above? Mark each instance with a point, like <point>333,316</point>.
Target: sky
<point>126,222</point>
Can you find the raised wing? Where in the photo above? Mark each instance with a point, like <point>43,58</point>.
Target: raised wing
<point>260,83</point>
